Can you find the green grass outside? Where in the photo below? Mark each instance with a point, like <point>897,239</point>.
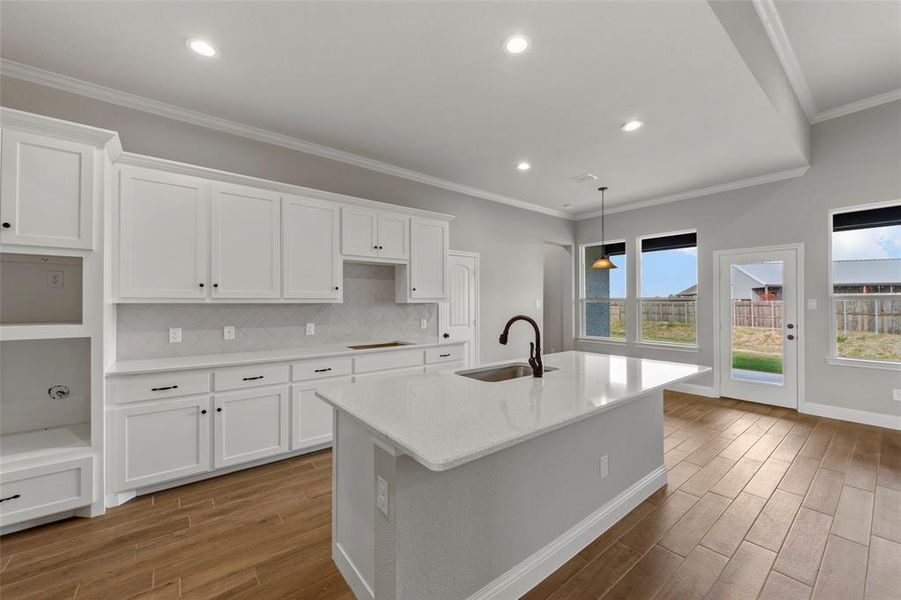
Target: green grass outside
<point>762,363</point>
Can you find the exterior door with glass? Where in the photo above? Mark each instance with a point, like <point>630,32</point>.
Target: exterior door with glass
<point>758,326</point>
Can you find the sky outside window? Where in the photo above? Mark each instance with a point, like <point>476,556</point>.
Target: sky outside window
<point>668,272</point>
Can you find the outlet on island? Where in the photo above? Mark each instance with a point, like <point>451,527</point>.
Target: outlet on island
<point>311,329</point>
<point>175,335</point>
<point>228,332</point>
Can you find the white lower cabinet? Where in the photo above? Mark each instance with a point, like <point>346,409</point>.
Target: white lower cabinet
<point>161,441</point>
<point>311,417</point>
<point>250,425</point>
<point>37,491</point>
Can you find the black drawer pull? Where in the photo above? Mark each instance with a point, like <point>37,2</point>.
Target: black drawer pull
<point>13,497</point>
<point>443,355</point>
<point>203,412</point>
<point>253,378</point>
<point>322,370</point>
<point>163,389</point>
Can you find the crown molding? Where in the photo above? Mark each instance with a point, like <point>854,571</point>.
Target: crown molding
<point>103,139</point>
<point>772,23</point>
<point>698,192</point>
<point>853,107</point>
<point>171,111</point>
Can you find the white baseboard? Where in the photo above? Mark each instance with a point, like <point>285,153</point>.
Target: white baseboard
<point>350,573</point>
<point>691,388</point>
<point>532,571</point>
<point>852,414</point>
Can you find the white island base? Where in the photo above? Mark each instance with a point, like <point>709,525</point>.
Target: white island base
<point>496,526</point>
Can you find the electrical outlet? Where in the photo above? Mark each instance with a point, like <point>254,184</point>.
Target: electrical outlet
<point>228,332</point>
<point>538,303</point>
<point>175,335</point>
<point>605,466</point>
<point>54,279</point>
<point>311,329</point>
<point>381,496</point>
<point>896,394</point>
<point>423,323</point>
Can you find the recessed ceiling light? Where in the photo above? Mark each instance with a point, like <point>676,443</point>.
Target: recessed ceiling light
<point>203,48</point>
<point>516,44</point>
<point>523,166</point>
<point>632,125</point>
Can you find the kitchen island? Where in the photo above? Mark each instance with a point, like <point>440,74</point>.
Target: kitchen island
<point>449,487</point>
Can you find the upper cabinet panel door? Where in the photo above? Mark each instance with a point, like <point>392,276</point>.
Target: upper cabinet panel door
<point>359,232</point>
<point>428,259</point>
<point>311,258</point>
<point>393,236</point>
<point>163,235</point>
<point>245,243</point>
<point>47,191</point>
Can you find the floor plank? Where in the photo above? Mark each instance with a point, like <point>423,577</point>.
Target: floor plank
<point>800,555</point>
<point>843,572</point>
<point>744,575</point>
<point>883,570</point>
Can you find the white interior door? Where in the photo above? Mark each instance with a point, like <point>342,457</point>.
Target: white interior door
<point>458,317</point>
<point>758,326</point>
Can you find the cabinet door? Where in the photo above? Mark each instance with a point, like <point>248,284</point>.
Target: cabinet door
<point>161,441</point>
<point>394,236</point>
<point>245,243</point>
<point>311,417</point>
<point>163,235</point>
<point>428,259</point>
<point>47,191</point>
<point>250,424</point>
<point>311,259</point>
<point>359,235</point>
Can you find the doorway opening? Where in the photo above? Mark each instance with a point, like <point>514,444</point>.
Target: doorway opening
<point>557,313</point>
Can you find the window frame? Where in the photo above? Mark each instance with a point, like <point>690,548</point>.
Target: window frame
<point>833,357</point>
<point>637,326</point>
<point>583,301</point>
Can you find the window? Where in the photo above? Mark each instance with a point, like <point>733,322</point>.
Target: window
<point>668,289</point>
<point>604,292</point>
<point>866,284</point>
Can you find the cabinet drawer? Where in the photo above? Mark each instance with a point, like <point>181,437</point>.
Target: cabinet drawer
<point>135,388</point>
<point>47,489</point>
<point>443,354</point>
<point>317,369</point>
<point>250,376</point>
<point>387,360</point>
<point>449,367</point>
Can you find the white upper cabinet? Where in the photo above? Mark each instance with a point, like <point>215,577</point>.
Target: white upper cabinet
<point>311,257</point>
<point>46,192</point>
<point>374,234</point>
<point>394,240</point>
<point>244,242</point>
<point>163,235</point>
<point>428,259</point>
<point>359,232</point>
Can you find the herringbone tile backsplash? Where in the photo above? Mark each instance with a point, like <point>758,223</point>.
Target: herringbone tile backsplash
<point>368,313</point>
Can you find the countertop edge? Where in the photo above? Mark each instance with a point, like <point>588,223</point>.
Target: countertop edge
<point>198,362</point>
<point>438,465</point>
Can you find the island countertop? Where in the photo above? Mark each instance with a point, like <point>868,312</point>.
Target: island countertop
<point>444,420</point>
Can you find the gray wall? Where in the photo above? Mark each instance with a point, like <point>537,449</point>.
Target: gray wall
<point>856,159</point>
<point>510,241</point>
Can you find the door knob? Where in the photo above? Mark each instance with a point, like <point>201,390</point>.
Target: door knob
<point>791,325</point>
<point>791,337</point>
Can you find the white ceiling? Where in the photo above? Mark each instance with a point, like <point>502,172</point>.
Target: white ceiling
<point>427,87</point>
<point>848,51</point>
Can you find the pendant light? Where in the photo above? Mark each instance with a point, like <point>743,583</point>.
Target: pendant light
<point>604,262</point>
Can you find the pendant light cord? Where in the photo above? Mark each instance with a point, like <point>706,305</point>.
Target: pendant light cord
<point>603,237</point>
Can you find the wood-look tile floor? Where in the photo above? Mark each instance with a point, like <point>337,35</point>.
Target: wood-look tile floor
<point>761,503</point>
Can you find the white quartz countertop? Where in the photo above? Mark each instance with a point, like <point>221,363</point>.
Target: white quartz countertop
<point>209,361</point>
<point>444,420</point>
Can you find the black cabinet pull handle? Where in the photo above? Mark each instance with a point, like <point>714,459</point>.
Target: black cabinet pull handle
<point>443,355</point>
<point>200,284</point>
<point>13,497</point>
<point>446,335</point>
<point>215,285</point>
<point>203,412</point>
<point>322,370</point>
<point>253,378</point>
<point>219,409</point>
<point>163,389</point>
<point>381,247</point>
<point>7,225</point>
<point>375,247</point>
<point>336,288</point>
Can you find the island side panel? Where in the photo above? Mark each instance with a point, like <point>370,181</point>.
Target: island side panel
<point>457,531</point>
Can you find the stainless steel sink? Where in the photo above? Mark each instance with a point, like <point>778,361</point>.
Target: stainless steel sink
<point>502,372</point>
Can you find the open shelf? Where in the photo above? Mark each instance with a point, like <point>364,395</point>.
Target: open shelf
<point>55,442</point>
<point>40,290</point>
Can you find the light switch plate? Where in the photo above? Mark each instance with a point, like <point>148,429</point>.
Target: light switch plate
<point>228,332</point>
<point>381,496</point>
<point>896,394</point>
<point>423,323</point>
<point>605,466</point>
<point>175,335</point>
<point>811,304</point>
<point>311,329</point>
